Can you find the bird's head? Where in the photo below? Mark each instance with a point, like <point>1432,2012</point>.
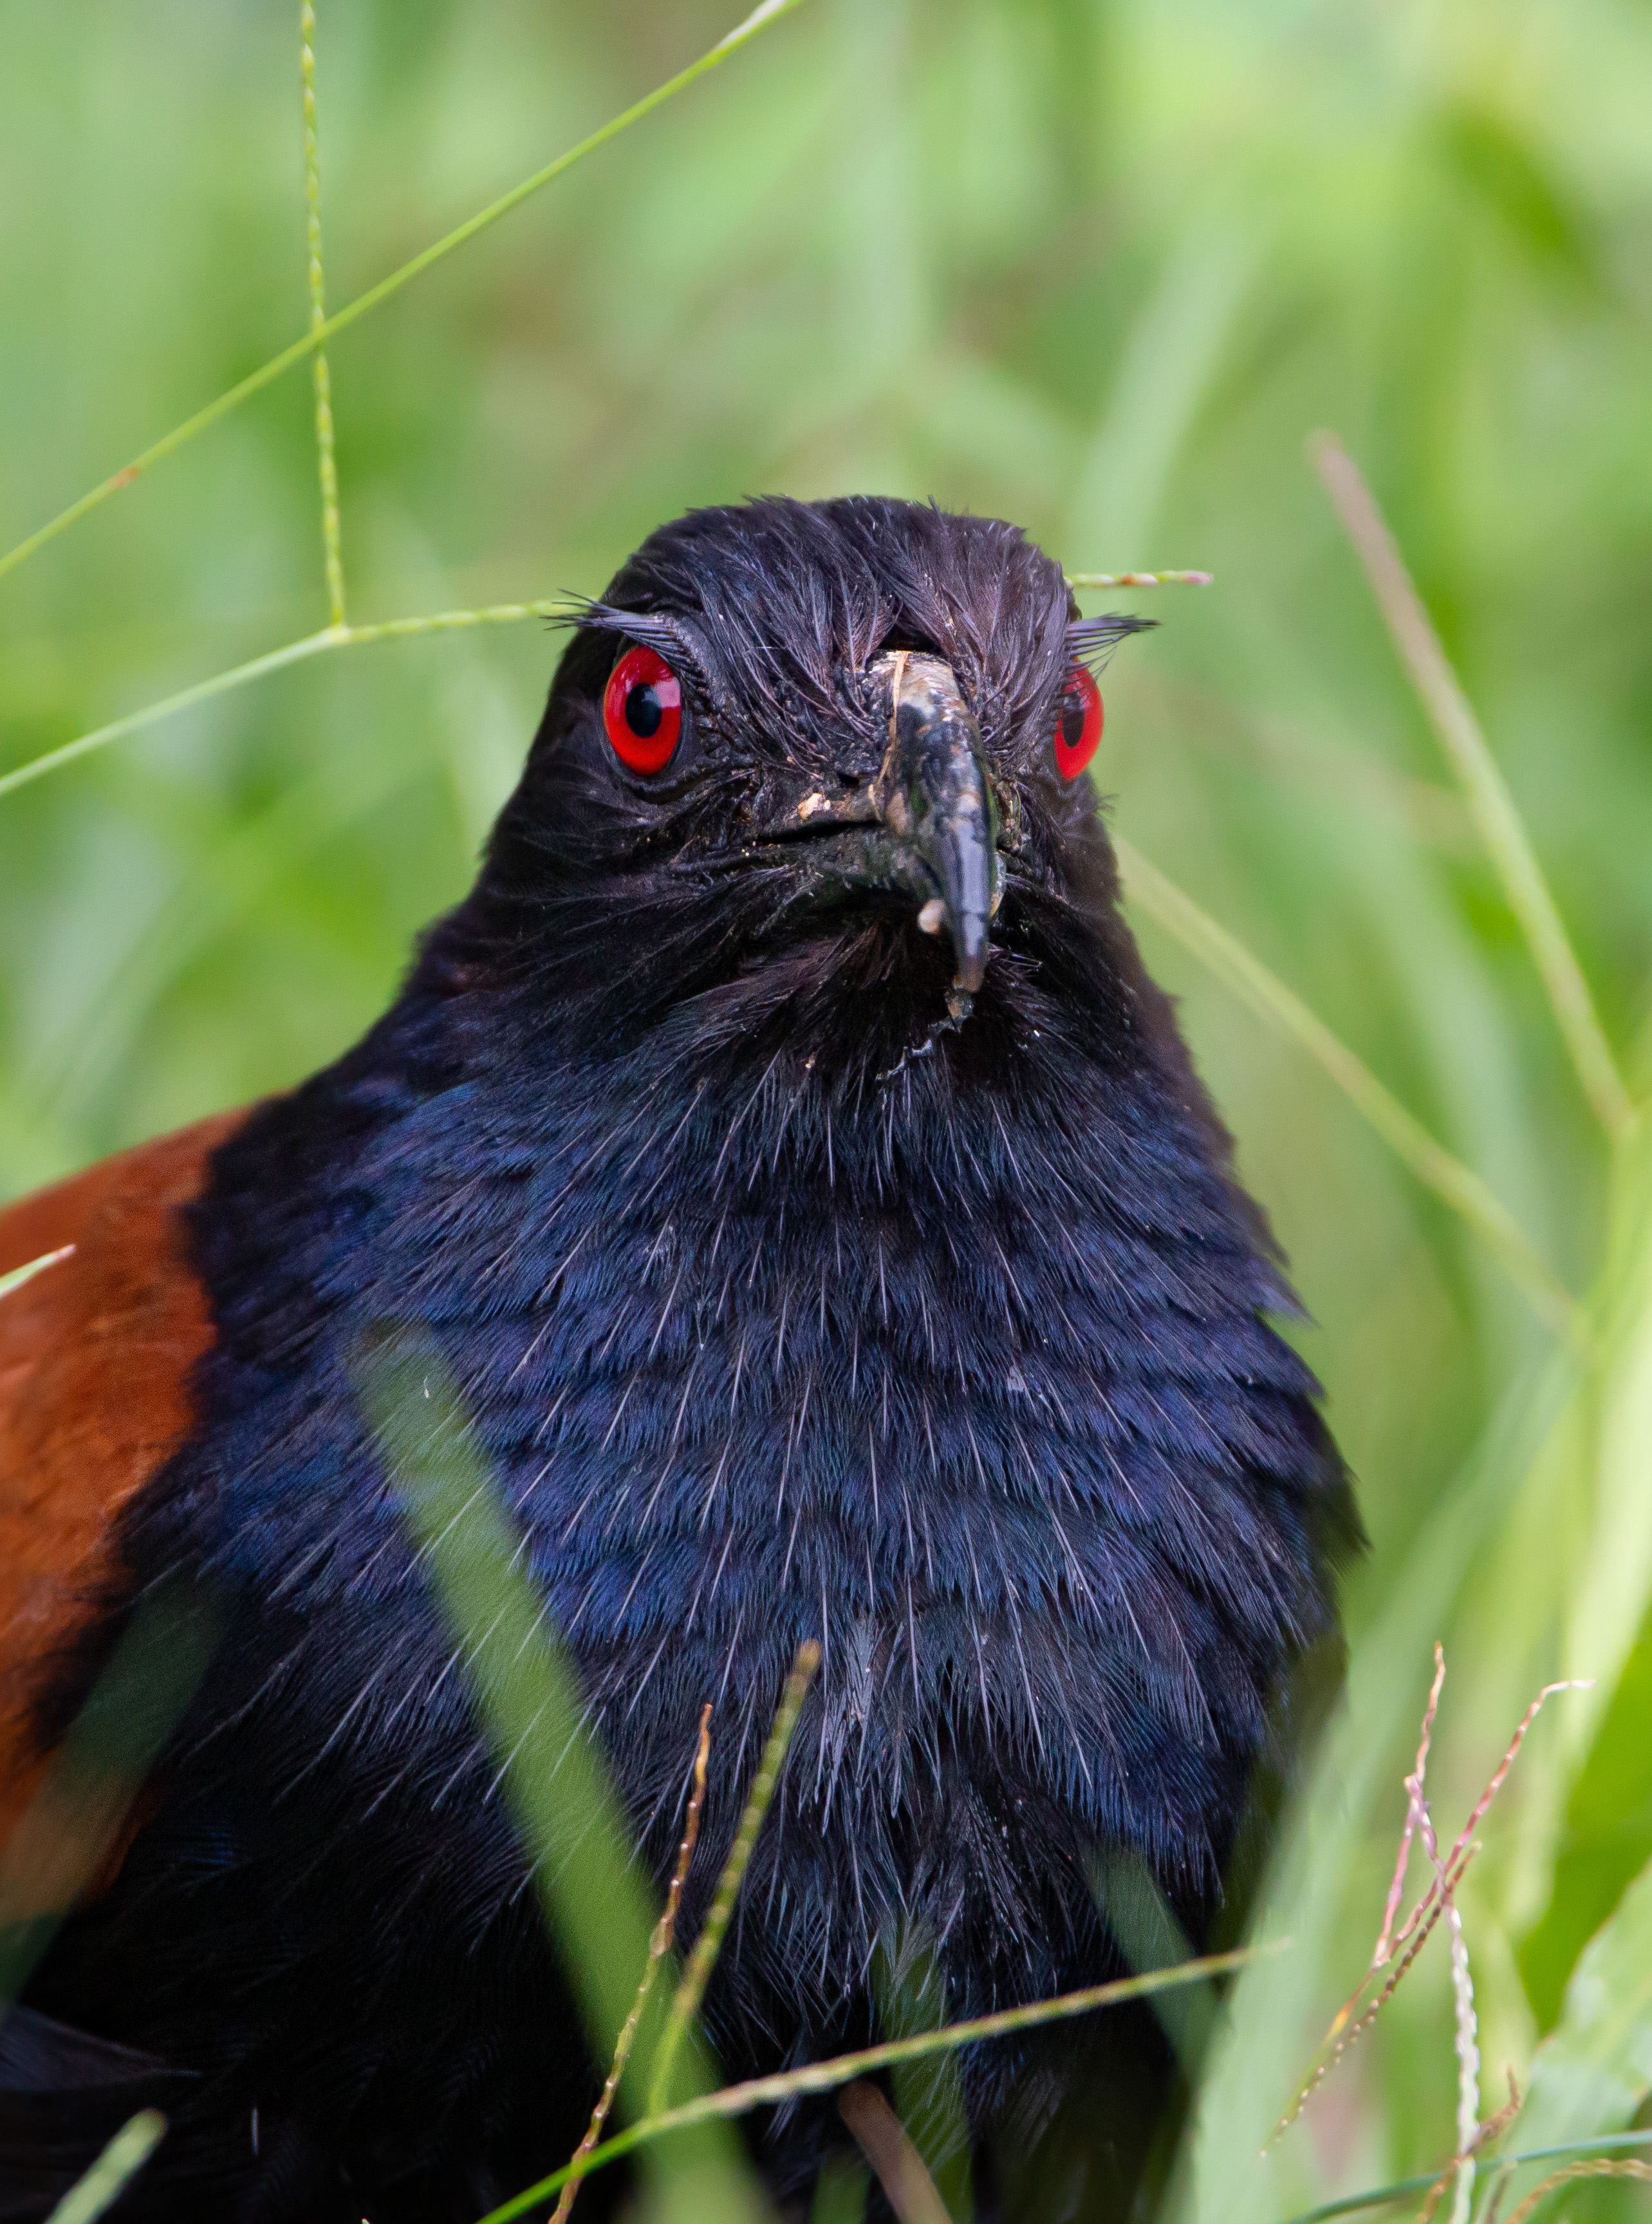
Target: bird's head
<point>840,745</point>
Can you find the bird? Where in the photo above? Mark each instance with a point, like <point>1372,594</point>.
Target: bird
<point>813,1202</point>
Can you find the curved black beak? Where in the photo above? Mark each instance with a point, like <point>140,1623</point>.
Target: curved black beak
<point>933,792</point>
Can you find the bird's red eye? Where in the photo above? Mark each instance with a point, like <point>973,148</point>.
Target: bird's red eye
<point>641,708</point>
<point>1078,730</point>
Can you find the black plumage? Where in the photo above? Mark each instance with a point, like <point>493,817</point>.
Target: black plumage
<point>797,1287</point>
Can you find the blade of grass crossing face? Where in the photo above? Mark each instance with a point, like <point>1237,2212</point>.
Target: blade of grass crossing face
<point>1501,829</point>
<point>1454,1184</point>
<point>363,304</point>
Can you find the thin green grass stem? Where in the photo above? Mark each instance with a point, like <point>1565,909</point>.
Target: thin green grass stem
<point>259,667</point>
<point>1454,1184</point>
<point>363,304</point>
<point>113,2171</point>
<point>1141,578</point>
<point>1380,2195</point>
<point>844,2069</point>
<point>660,1944</point>
<point>19,1275</point>
<point>326,461</point>
<point>697,1974</point>
<point>1500,826</point>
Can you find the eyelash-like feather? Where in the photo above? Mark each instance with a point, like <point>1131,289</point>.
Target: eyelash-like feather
<point>1091,640</point>
<point>654,630</point>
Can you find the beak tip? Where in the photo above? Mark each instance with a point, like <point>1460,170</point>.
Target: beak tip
<point>972,949</point>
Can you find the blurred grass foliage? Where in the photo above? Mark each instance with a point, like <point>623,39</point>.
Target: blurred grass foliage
<point>554,1773</point>
<point>1099,269</point>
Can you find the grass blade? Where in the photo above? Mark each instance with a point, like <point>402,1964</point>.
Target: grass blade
<point>363,304</point>
<point>260,667</point>
<point>1606,1836</point>
<point>1589,2075</point>
<point>709,1944</point>
<point>660,1944</point>
<point>1454,1184</point>
<point>19,1275</point>
<point>1600,2166</point>
<point>843,2069</point>
<point>113,2171</point>
<point>1380,2195</point>
<point>526,1689</point>
<point>326,461</point>
<point>598,1901</point>
<point>1500,826</point>
<point>1141,578</point>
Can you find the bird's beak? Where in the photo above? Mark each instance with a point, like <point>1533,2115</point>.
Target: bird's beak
<point>925,829</point>
<point>934,794</point>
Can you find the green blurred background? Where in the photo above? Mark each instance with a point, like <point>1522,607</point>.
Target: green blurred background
<point>1095,268</point>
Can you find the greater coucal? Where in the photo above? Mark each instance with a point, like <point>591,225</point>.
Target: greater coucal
<point>813,1204</point>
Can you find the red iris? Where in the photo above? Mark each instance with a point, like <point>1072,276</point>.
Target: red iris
<point>641,708</point>
<point>1078,730</point>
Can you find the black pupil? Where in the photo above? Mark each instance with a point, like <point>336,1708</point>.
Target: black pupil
<point>1074,713</point>
<point>644,710</point>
